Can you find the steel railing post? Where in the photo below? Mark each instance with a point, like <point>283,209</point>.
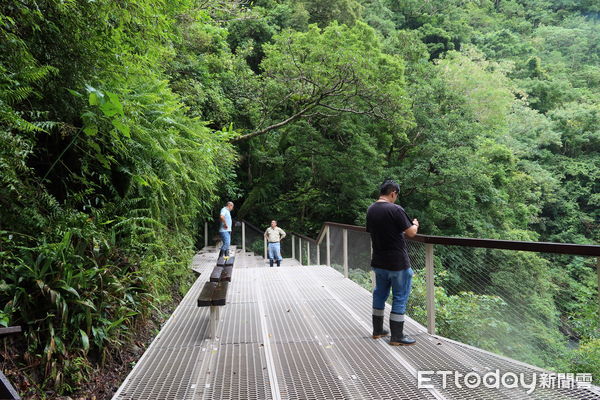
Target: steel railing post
<point>308,253</point>
<point>265,240</point>
<point>345,251</point>
<point>293,246</point>
<point>243,237</point>
<point>300,250</point>
<point>318,254</point>
<point>429,275</point>
<point>213,321</point>
<point>328,246</point>
<point>205,234</point>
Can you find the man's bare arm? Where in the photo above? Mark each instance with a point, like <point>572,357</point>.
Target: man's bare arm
<point>411,232</point>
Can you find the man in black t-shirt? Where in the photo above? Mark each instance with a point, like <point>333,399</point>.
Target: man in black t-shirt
<point>388,223</point>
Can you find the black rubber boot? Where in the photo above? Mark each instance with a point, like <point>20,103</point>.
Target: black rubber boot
<point>279,263</point>
<point>378,330</point>
<point>270,262</point>
<point>398,337</point>
<point>220,253</point>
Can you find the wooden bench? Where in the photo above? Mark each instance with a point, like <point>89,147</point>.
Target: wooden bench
<point>220,274</point>
<point>214,292</point>
<point>223,262</point>
<point>7,391</point>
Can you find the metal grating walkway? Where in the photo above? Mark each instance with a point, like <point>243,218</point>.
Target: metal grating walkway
<point>299,332</point>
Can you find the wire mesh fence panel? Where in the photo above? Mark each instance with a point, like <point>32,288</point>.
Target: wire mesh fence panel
<point>286,246</point>
<point>255,240</point>
<point>293,246</point>
<point>236,234</point>
<point>305,250</point>
<point>213,233</point>
<point>313,253</point>
<point>323,251</point>
<point>336,248</point>
<point>417,302</point>
<point>310,254</point>
<point>302,251</point>
<point>359,258</point>
<point>504,301</point>
<point>202,236</point>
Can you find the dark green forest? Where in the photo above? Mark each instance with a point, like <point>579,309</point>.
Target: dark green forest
<point>124,125</point>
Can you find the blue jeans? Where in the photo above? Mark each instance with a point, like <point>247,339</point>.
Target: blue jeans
<point>226,238</point>
<point>275,251</point>
<point>399,281</point>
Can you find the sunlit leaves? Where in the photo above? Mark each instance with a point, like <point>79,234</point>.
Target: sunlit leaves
<point>485,89</point>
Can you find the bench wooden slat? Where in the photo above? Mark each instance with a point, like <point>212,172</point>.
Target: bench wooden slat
<point>216,274</point>
<point>206,295</point>
<point>221,261</point>
<point>226,274</point>
<point>220,294</point>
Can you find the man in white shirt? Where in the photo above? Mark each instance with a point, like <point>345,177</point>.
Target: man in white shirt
<point>225,229</point>
<point>274,234</point>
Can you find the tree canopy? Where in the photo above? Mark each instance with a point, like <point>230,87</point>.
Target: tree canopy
<point>124,124</point>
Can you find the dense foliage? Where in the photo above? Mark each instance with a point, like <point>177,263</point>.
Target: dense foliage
<point>123,123</point>
<point>105,174</point>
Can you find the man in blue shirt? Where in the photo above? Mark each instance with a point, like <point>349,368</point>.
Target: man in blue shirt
<point>225,229</point>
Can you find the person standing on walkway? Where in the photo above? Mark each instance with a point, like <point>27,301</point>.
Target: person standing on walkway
<point>274,235</point>
<point>388,224</point>
<point>225,229</point>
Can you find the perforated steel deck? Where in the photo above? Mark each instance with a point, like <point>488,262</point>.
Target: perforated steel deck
<point>300,332</point>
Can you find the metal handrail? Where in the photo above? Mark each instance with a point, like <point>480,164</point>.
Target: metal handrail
<point>322,231</point>
<point>304,237</point>
<point>429,241</point>
<point>291,232</point>
<point>539,247</point>
<point>251,225</point>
